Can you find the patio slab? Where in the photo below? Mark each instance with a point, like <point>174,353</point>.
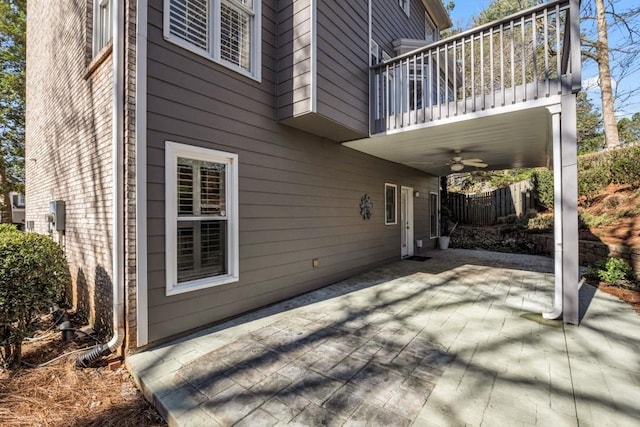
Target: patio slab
<point>454,340</point>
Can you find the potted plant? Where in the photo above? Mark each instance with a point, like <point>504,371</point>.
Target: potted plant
<point>445,236</point>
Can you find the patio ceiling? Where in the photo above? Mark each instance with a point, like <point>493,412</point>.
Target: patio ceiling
<point>503,140</point>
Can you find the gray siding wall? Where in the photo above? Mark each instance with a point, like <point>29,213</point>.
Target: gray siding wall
<point>343,63</point>
<point>299,194</point>
<point>391,23</point>
<point>294,58</point>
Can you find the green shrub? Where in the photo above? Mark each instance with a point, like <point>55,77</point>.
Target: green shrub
<point>33,274</point>
<point>540,224</point>
<point>593,180</point>
<point>616,272</point>
<point>543,182</point>
<point>595,221</point>
<point>8,228</point>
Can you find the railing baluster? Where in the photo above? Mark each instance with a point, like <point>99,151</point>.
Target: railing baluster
<point>422,84</point>
<point>464,77</point>
<point>473,74</point>
<point>493,93</point>
<point>430,85</point>
<point>502,63</point>
<point>547,75</point>
<point>455,76</point>
<point>513,64</point>
<point>446,77</point>
<point>439,99</point>
<point>534,45</point>
<point>482,85</point>
<point>524,56</point>
<point>558,55</point>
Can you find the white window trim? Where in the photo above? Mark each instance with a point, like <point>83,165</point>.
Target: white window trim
<point>429,22</point>
<point>431,236</point>
<point>214,54</point>
<point>99,27</point>
<point>173,150</point>
<point>374,51</point>
<point>406,6</point>
<point>395,203</point>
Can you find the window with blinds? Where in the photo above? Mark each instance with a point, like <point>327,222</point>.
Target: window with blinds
<point>188,20</point>
<point>202,219</point>
<point>227,31</point>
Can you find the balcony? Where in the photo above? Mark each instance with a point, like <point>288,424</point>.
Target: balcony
<point>522,61</point>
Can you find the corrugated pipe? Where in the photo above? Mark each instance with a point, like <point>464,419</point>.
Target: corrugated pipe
<point>118,200</point>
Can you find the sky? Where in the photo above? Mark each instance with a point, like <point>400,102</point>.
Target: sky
<point>464,10</point>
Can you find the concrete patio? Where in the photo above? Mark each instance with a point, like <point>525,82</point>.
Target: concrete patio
<point>454,340</point>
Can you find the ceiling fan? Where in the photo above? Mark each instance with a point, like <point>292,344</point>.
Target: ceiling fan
<point>458,162</point>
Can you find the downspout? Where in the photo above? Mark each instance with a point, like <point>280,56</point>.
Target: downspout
<point>558,252</point>
<point>117,232</point>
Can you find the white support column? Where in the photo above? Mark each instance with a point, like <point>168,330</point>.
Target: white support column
<point>569,212</point>
<point>565,189</point>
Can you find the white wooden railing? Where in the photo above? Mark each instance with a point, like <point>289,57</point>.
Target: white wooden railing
<point>528,56</point>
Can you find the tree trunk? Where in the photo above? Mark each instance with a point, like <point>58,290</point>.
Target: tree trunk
<point>604,71</point>
<point>5,201</point>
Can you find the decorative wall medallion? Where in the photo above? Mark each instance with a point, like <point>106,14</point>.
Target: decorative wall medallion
<point>366,206</point>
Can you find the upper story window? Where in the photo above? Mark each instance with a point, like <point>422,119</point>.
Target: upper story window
<point>430,30</point>
<point>226,31</point>
<point>375,53</point>
<point>201,218</point>
<point>102,24</point>
<point>405,5</point>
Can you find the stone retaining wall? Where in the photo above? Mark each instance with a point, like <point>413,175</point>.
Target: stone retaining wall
<point>591,252</point>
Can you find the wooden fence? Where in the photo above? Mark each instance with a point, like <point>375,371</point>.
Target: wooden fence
<point>486,208</point>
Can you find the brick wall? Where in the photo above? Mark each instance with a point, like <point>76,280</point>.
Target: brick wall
<point>68,151</point>
<point>130,176</point>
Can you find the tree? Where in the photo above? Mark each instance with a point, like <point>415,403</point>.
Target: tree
<point>12,96</point>
<point>629,129</point>
<point>614,60</point>
<point>589,123</point>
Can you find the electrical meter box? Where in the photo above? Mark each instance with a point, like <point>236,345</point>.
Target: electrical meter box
<point>57,215</point>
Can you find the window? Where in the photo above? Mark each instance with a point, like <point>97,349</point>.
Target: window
<point>101,25</point>
<point>434,222</point>
<point>374,53</point>
<point>226,31</point>
<point>390,196</point>
<point>201,218</point>
<point>430,31</point>
<point>17,201</point>
<point>405,5</point>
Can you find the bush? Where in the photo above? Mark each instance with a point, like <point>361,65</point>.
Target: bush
<point>616,272</point>
<point>33,275</point>
<point>540,224</point>
<point>8,228</point>
<point>543,182</point>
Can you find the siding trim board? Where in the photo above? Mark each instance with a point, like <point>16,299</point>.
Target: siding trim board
<point>142,305</point>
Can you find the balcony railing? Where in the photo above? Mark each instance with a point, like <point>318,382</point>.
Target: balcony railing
<point>527,56</point>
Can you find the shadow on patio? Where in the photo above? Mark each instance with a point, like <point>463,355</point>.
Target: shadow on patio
<point>447,341</point>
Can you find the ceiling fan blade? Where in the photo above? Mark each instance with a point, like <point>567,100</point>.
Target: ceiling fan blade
<point>472,161</point>
<point>475,164</point>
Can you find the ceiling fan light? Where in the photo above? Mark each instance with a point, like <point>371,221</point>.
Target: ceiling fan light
<point>457,167</point>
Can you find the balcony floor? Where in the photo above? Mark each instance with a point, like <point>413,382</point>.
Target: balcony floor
<point>501,137</point>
